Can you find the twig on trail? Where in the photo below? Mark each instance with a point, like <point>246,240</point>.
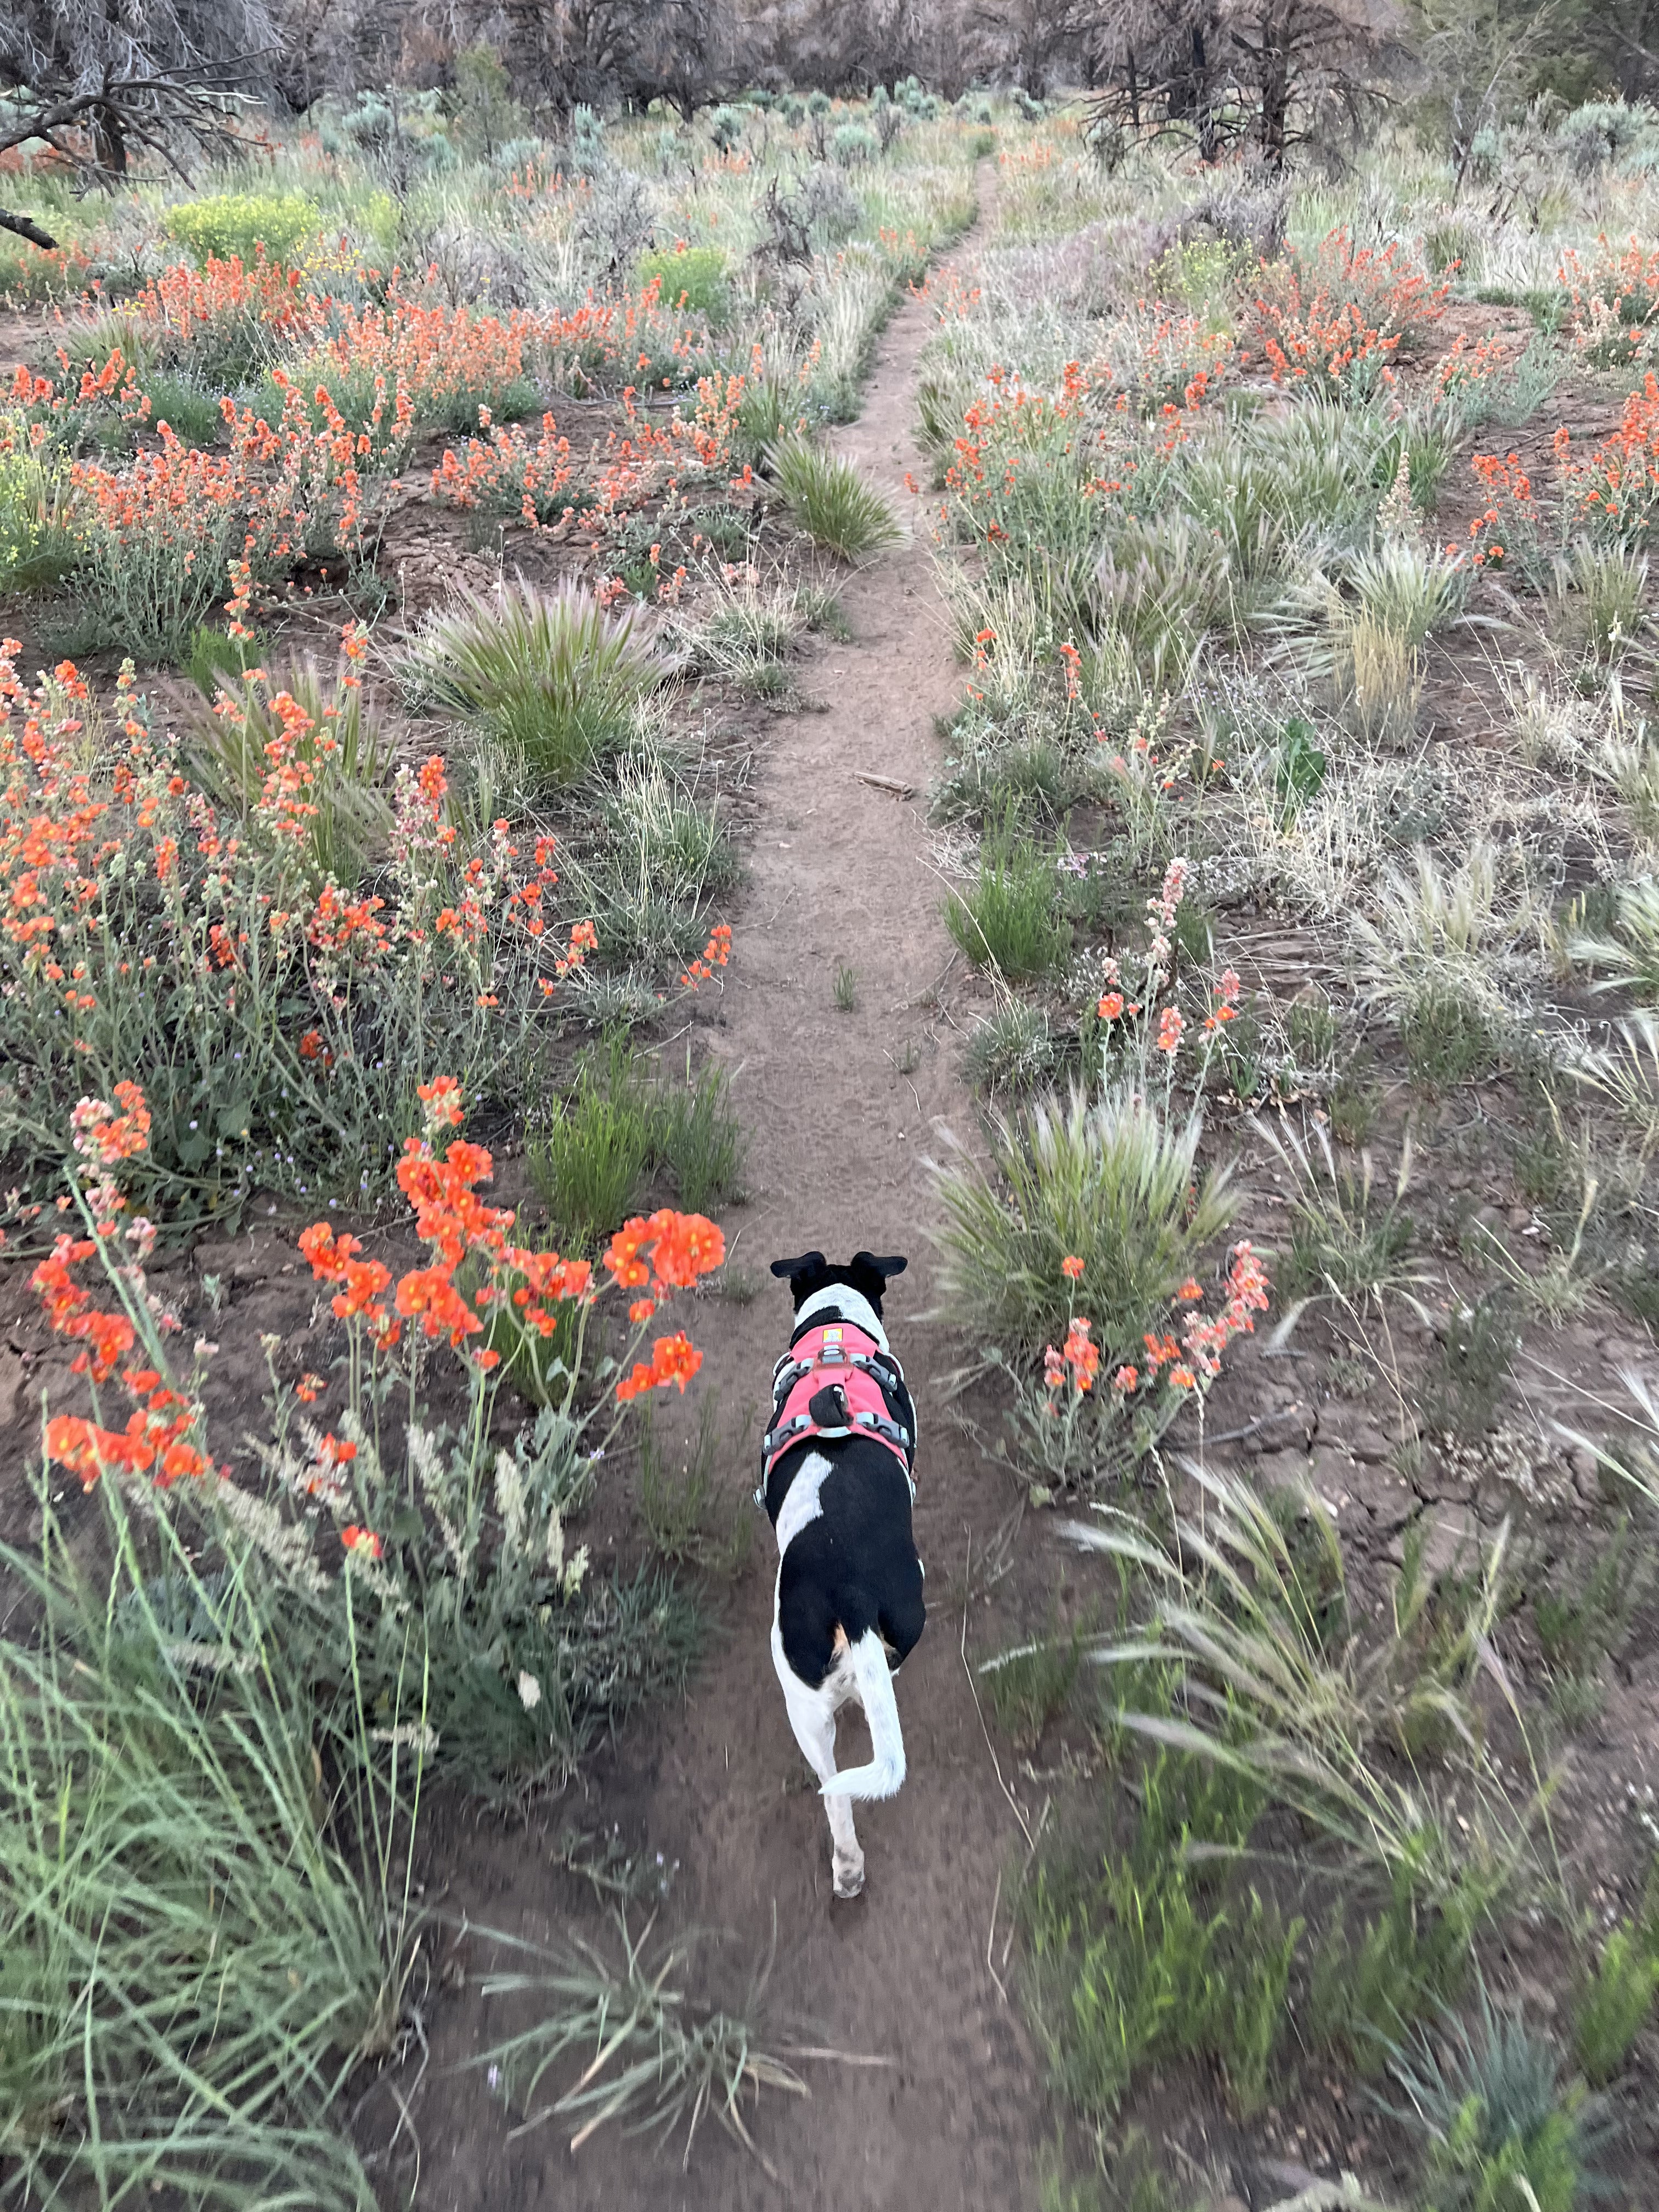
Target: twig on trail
<point>991,1937</point>
<point>1014,1803</point>
<point>897,785</point>
<point>839,2058</point>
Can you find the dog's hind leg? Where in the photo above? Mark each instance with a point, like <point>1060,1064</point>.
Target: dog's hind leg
<point>812,1717</point>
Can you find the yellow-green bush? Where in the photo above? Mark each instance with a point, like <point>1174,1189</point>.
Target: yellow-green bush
<point>236,223</point>
<point>694,277</point>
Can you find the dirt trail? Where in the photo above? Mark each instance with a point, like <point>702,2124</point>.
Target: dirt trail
<point>839,1121</point>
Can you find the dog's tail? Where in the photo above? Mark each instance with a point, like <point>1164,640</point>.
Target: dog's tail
<point>884,1776</point>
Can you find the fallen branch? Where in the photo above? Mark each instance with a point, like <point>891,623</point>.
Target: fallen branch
<point>24,227</point>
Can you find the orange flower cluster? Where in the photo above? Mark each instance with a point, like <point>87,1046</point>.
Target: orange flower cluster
<point>507,472</point>
<point>188,310</point>
<point>1340,327</point>
<point>154,1442</point>
<point>95,814</point>
<point>106,1136</point>
<point>673,1359</point>
<point>107,1337</point>
<point>1615,302</point>
<point>1615,491</point>
<point>362,1283</point>
<point>716,954</point>
<point>1509,530</point>
<point>1080,1359</point>
<point>1193,1363</point>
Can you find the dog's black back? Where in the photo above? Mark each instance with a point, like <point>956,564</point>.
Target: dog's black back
<point>853,1565</point>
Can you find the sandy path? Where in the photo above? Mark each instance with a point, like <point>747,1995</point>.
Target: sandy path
<point>839,1115</point>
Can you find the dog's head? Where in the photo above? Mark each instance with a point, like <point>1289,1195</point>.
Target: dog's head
<point>864,1273</point>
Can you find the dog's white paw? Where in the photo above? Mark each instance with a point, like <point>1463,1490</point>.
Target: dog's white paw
<point>849,1880</point>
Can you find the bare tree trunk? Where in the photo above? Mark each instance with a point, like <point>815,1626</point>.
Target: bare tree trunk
<point>1272,123</point>
<point>1208,136</point>
<point>110,139</point>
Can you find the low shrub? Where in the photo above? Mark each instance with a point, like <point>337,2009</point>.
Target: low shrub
<point>224,224</point>
<point>282,1024</point>
<point>691,279</point>
<point>450,1543</point>
<point>36,548</point>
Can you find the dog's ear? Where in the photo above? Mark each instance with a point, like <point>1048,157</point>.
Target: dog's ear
<point>803,1275</point>
<point>895,1265</point>
<point>868,1275</point>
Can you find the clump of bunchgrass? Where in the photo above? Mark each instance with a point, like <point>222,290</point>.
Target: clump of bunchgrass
<point>1309,1719</point>
<point>651,2056</point>
<point>1113,1182</point>
<point>208,1922</point>
<point>1008,919</point>
<point>619,1126</point>
<point>831,501</point>
<point>548,677</point>
<point>1499,2120</point>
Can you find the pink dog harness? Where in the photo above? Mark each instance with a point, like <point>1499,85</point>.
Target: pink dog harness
<point>841,1359</point>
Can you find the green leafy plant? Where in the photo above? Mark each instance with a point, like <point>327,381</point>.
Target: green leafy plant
<point>686,1518</point>
<point>1372,1982</point>
<point>1150,1959</point>
<point>692,277</point>
<point>831,501</point>
<point>36,548</point>
<point>1299,766</point>
<point>846,989</point>
<point>550,678</point>
<point>1616,2000</point>
<point>1583,1618</point>
<point>1027,1687</point>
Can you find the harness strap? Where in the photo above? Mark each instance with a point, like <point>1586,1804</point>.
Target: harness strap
<point>825,1349</point>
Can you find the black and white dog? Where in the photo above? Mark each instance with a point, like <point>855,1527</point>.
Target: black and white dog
<point>835,1480</point>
